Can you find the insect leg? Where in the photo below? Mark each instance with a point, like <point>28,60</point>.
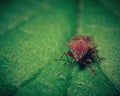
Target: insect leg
<point>89,65</point>
<point>92,69</point>
<point>97,57</point>
<point>67,58</point>
<point>73,62</point>
<point>88,60</point>
<point>72,65</point>
<point>63,69</point>
<point>94,55</point>
<point>84,63</point>
<point>58,74</point>
<point>61,56</point>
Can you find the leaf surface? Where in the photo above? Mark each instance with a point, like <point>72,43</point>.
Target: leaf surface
<point>34,33</point>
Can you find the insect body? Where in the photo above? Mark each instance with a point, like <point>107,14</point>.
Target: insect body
<point>79,46</point>
<point>82,50</point>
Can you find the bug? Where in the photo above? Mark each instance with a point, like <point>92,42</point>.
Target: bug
<point>82,50</point>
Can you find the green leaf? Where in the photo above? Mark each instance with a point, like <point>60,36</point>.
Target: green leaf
<point>34,33</point>
<point>99,20</point>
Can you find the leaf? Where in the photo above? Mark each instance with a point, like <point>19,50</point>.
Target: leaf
<point>100,21</point>
<point>28,48</point>
<point>33,34</point>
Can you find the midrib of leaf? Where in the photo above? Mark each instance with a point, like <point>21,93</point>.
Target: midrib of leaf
<point>91,14</point>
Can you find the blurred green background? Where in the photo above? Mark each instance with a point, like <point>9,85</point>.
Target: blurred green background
<point>34,33</point>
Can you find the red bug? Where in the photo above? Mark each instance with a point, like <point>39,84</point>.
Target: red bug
<point>82,50</point>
